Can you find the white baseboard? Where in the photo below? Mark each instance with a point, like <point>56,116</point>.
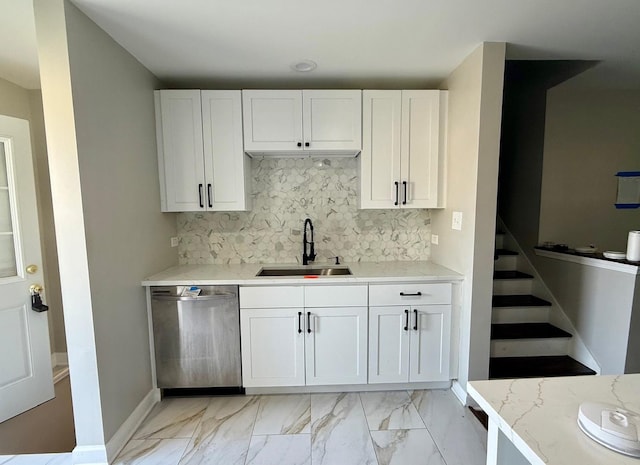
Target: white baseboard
<point>459,392</point>
<point>131,424</point>
<point>347,388</point>
<point>59,359</point>
<point>89,455</point>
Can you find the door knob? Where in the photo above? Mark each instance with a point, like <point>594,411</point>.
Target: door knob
<point>36,288</point>
<point>32,269</point>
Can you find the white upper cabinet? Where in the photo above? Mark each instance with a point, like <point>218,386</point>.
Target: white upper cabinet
<point>404,143</point>
<point>299,122</point>
<point>202,164</point>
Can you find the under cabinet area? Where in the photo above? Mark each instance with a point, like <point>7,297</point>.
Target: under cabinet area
<point>296,122</point>
<point>296,336</point>
<point>403,147</point>
<point>202,164</point>
<point>409,332</point>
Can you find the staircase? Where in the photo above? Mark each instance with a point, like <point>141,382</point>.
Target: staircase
<point>523,342</point>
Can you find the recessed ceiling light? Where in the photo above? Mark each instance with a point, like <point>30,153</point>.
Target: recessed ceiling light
<point>304,66</point>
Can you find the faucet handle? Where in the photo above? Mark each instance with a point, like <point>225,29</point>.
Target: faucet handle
<point>337,259</point>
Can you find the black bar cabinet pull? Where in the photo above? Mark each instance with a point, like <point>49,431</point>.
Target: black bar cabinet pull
<point>406,321</point>
<point>415,326</point>
<point>415,294</point>
<point>209,196</point>
<point>299,322</point>
<point>397,192</point>
<point>307,144</point>
<point>200,195</point>
<point>308,322</point>
<point>299,144</point>
<point>404,185</point>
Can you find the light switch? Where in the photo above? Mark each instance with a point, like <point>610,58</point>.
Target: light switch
<point>456,221</point>
<point>434,239</point>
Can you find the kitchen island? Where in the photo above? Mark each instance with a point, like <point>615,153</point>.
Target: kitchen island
<point>534,421</point>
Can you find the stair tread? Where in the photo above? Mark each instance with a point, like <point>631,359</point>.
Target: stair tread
<point>536,367</point>
<point>510,274</point>
<point>505,252</point>
<point>526,331</point>
<point>519,300</point>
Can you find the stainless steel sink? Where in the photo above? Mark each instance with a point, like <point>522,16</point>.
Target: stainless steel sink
<point>314,271</point>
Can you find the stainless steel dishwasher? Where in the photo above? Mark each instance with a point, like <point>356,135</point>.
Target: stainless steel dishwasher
<point>197,339</point>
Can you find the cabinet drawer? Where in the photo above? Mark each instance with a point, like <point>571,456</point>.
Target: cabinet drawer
<point>271,297</point>
<point>335,296</point>
<point>409,294</point>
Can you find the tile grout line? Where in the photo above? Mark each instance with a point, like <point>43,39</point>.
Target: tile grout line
<point>194,431</point>
<point>435,443</point>
<point>253,428</point>
<point>366,419</point>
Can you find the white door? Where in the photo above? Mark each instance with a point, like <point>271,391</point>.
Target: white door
<point>181,162</point>
<point>272,347</point>
<point>332,120</point>
<point>430,340</point>
<point>389,334</point>
<point>380,158</point>
<point>420,148</point>
<point>336,346</point>
<point>272,120</point>
<point>25,354</point>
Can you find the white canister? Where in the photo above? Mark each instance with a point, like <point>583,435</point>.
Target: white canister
<point>633,246</point>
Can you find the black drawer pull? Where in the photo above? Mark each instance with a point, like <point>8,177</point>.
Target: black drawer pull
<point>209,196</point>
<point>406,321</point>
<point>415,326</point>
<point>415,294</point>
<point>309,322</point>
<point>299,322</point>
<point>397,192</point>
<point>200,195</point>
<point>404,184</point>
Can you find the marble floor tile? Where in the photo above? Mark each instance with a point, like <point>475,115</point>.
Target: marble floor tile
<point>173,418</point>
<point>390,410</point>
<point>284,414</point>
<point>406,447</point>
<point>291,449</point>
<point>224,434</point>
<point>36,459</point>
<point>460,437</point>
<point>152,452</point>
<point>339,431</point>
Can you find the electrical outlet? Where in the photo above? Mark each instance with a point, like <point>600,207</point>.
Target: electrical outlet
<point>174,242</point>
<point>434,239</point>
<point>456,221</point>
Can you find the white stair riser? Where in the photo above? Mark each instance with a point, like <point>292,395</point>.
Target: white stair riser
<point>499,241</point>
<point>529,347</point>
<point>512,286</point>
<point>520,315</point>
<point>506,262</point>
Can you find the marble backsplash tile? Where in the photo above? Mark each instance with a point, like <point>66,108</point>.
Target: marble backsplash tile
<point>285,192</point>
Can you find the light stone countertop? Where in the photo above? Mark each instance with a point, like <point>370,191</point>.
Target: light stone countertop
<point>245,274</point>
<point>539,415</point>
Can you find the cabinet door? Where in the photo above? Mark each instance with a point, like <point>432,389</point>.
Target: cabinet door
<point>272,347</point>
<point>272,120</point>
<point>388,345</point>
<point>336,347</point>
<point>429,349</point>
<point>332,120</point>
<point>180,151</point>
<point>226,166</point>
<point>380,158</point>
<point>420,148</point>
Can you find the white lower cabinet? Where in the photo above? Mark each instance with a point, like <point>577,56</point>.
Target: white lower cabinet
<point>303,345</point>
<point>410,335</point>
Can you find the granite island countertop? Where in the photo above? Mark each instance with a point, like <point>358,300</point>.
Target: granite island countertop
<point>539,415</point>
<point>245,274</point>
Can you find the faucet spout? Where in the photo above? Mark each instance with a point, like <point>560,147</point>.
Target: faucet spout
<point>311,256</point>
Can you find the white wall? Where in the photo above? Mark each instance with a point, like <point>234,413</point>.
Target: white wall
<point>475,105</point>
<point>589,137</point>
<point>98,105</point>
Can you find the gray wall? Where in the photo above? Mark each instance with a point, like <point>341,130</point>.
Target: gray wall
<point>475,98</point>
<point>99,114</point>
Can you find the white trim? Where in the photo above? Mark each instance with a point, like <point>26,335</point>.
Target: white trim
<point>59,359</point>
<point>459,392</point>
<point>590,261</point>
<point>347,388</point>
<point>60,375</point>
<point>89,455</point>
<point>131,424</point>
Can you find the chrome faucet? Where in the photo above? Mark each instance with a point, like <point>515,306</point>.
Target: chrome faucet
<point>312,254</point>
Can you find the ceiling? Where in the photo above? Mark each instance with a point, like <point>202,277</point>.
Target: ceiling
<point>355,43</point>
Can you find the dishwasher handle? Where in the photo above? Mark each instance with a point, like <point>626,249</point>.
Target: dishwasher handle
<point>200,298</point>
